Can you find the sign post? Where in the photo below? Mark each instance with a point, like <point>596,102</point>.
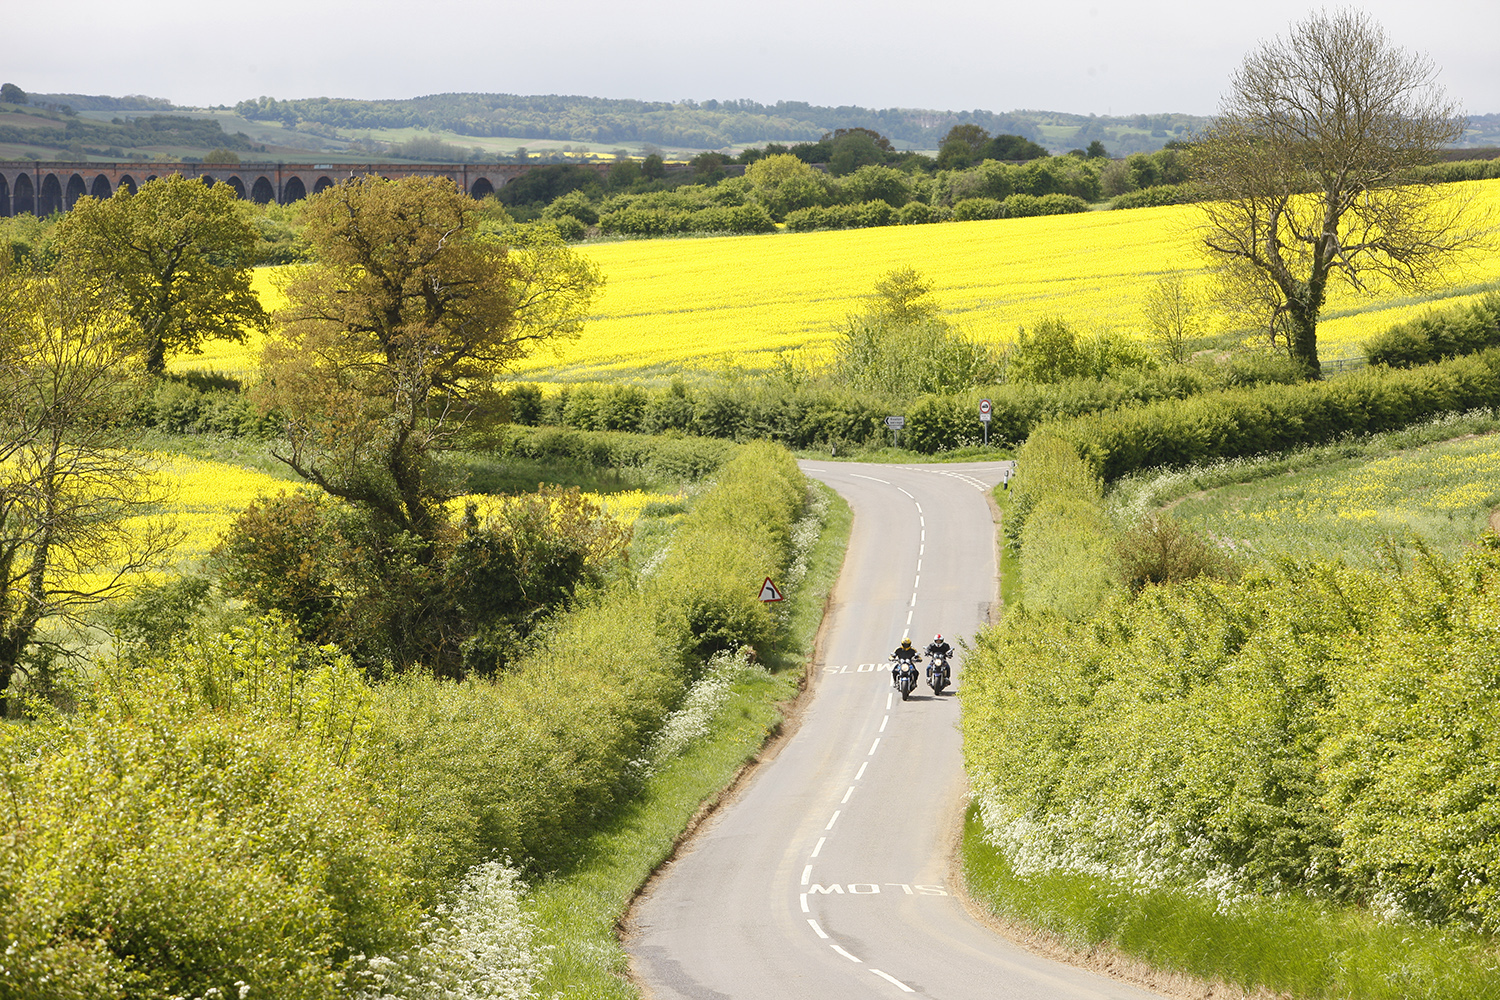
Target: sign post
<point>895,424</point>
<point>984,418</point>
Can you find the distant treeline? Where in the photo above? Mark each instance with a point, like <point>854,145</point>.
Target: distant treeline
<point>706,125</point>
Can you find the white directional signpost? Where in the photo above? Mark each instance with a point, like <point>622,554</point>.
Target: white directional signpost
<point>984,418</point>
<point>895,424</point>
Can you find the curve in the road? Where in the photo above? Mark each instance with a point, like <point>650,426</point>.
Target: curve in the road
<point>828,874</point>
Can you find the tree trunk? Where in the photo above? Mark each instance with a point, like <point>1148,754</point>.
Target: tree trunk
<point>1302,340</point>
<point>156,357</point>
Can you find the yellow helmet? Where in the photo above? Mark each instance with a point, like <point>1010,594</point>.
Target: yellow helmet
<point>905,642</point>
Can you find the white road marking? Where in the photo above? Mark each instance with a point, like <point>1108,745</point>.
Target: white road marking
<point>804,904</point>
<point>845,954</point>
<point>816,929</point>
<point>893,981</point>
<point>834,820</point>
<point>866,764</point>
<point>919,562</point>
<point>917,582</point>
<point>806,874</point>
<point>908,620</point>
<point>819,847</point>
<point>845,799</point>
<point>882,725</point>
<point>870,478</point>
<point>908,494</point>
<point>919,506</point>
<point>873,746</point>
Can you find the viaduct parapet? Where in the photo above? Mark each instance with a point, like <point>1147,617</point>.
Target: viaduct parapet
<point>42,187</point>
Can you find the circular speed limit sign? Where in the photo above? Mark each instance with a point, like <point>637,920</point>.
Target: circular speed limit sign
<point>984,409</point>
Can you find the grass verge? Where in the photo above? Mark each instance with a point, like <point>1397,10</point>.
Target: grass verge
<point>1291,945</point>
<point>579,912</point>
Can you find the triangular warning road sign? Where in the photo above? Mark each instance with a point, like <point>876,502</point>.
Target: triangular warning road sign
<point>769,591</point>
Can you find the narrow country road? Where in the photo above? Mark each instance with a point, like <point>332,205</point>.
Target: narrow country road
<point>827,877</point>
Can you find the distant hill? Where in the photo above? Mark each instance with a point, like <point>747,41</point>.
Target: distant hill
<point>455,127</point>
<point>706,125</point>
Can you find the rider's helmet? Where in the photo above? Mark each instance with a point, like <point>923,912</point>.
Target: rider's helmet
<point>905,642</point>
<point>938,637</point>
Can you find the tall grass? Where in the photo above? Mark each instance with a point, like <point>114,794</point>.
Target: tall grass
<point>1289,944</point>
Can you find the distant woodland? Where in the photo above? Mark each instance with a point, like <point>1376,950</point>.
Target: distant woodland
<point>475,127</point>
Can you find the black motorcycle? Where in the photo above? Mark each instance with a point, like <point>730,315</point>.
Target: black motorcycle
<point>938,676</point>
<point>906,676</point>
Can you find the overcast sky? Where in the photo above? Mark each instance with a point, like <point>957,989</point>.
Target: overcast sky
<point>1083,56</point>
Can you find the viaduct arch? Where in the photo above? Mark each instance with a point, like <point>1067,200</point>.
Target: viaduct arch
<point>42,187</point>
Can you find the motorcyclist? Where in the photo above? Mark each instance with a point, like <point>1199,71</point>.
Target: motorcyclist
<point>905,654</point>
<point>938,647</point>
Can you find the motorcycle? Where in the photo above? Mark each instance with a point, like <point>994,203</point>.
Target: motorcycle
<point>906,677</point>
<point>938,676</point>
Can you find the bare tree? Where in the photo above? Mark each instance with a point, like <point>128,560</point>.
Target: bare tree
<point>1172,311</point>
<point>1310,163</point>
<point>78,509</point>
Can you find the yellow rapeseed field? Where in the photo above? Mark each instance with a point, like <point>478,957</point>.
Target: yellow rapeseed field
<point>734,301</point>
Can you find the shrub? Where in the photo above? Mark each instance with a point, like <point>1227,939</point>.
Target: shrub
<point>1159,194</point>
<point>201,825</point>
<point>972,209</point>
<point>916,213</point>
<point>1438,335</point>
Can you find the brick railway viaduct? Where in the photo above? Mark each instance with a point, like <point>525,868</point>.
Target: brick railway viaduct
<point>42,187</point>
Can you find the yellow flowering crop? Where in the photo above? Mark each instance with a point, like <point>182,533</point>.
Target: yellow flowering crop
<point>736,300</point>
<point>625,507</point>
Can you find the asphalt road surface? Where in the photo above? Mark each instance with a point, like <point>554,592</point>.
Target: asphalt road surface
<point>828,876</point>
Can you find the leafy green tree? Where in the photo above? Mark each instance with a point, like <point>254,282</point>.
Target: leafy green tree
<point>11,94</point>
<point>179,252</point>
<point>962,147</point>
<point>783,184</point>
<point>903,346</point>
<point>1013,147</point>
<point>1310,167</point>
<point>407,312</point>
<point>851,149</point>
<point>77,505</point>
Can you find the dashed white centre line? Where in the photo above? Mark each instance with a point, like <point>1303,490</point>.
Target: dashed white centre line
<point>806,874</point>
<point>893,981</point>
<point>816,929</point>
<point>882,724</point>
<point>866,764</point>
<point>834,820</point>
<point>804,904</point>
<point>819,847</point>
<point>873,746</point>
<point>845,954</point>
<point>845,799</point>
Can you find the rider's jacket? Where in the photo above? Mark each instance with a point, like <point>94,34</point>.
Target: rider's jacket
<point>904,653</point>
<point>938,649</point>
